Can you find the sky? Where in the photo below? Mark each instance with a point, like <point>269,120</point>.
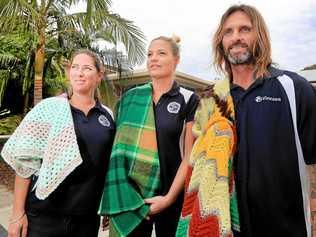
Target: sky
<point>292,26</point>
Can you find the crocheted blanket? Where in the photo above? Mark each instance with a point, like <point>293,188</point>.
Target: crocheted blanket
<point>134,170</point>
<point>44,144</point>
<point>210,203</point>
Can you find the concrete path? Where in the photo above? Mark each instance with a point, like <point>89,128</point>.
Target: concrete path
<point>5,214</point>
<point>6,198</point>
<point>3,232</point>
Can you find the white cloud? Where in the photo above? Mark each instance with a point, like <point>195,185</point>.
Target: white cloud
<point>290,23</point>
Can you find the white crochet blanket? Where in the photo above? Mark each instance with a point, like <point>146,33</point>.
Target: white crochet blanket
<point>44,144</point>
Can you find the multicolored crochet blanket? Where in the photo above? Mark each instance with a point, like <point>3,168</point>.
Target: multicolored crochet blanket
<point>210,204</point>
<point>134,170</point>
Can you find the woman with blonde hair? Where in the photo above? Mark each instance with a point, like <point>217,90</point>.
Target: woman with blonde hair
<point>144,185</point>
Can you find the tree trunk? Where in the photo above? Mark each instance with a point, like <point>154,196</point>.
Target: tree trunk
<point>26,103</point>
<point>39,67</point>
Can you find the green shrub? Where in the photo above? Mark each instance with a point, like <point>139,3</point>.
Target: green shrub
<point>9,124</point>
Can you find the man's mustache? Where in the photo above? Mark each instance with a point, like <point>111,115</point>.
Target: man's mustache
<point>238,43</point>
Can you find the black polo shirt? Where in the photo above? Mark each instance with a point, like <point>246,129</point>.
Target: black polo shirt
<point>81,191</point>
<point>173,110</point>
<point>268,179</point>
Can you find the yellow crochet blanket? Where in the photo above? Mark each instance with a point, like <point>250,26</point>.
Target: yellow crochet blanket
<point>210,206</point>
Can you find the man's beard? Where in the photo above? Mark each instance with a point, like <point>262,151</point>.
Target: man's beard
<point>239,59</point>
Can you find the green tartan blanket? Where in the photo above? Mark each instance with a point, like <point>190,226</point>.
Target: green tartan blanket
<point>134,170</point>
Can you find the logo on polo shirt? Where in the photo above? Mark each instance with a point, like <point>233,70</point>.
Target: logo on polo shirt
<point>104,121</point>
<point>173,107</point>
<point>260,99</point>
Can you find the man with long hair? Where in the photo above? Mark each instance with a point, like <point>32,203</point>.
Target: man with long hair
<point>275,112</point>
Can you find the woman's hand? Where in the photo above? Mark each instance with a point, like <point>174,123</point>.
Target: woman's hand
<point>105,223</point>
<point>18,228</point>
<point>157,204</point>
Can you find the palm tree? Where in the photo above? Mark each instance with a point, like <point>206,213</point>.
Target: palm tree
<point>51,19</point>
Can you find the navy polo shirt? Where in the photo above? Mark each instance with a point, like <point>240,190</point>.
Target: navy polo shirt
<point>266,164</point>
<point>81,191</point>
<point>173,110</point>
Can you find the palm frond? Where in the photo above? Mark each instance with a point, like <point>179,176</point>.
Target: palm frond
<point>95,5</point>
<point>16,12</point>
<point>4,78</point>
<point>128,34</point>
<point>104,36</point>
<point>105,24</point>
<point>7,60</point>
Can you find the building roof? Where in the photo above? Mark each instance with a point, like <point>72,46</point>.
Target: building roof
<point>142,76</point>
<point>310,75</point>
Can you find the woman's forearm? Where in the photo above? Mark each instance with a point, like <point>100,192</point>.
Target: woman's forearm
<point>178,182</point>
<point>159,203</point>
<point>21,187</point>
